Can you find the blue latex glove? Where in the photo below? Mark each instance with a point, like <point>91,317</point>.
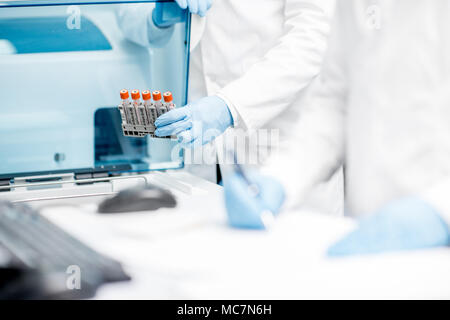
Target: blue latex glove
<point>196,124</point>
<point>199,7</point>
<point>406,224</point>
<point>165,15</point>
<point>243,208</point>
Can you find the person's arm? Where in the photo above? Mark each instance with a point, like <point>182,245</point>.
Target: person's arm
<point>312,154</point>
<point>152,24</point>
<point>267,88</point>
<point>416,222</point>
<point>315,148</point>
<point>136,23</point>
<point>271,84</point>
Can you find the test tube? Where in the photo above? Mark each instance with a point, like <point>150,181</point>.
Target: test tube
<point>142,112</point>
<point>157,98</point>
<point>150,108</point>
<point>122,108</point>
<point>131,113</point>
<point>136,96</point>
<point>168,101</point>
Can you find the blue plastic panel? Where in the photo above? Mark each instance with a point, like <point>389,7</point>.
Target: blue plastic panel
<point>60,82</point>
<point>43,34</point>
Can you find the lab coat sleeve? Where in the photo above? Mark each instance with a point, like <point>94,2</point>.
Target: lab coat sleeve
<point>272,83</point>
<point>315,149</point>
<point>136,24</point>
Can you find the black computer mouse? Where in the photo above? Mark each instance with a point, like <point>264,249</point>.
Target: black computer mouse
<point>149,198</point>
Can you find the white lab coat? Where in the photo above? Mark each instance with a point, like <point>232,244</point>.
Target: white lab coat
<point>382,106</point>
<point>260,57</point>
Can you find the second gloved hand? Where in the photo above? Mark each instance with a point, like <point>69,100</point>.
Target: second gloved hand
<point>244,209</point>
<point>199,7</point>
<point>196,124</point>
<point>406,224</point>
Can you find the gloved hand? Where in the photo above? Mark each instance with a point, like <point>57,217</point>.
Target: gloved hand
<point>196,124</point>
<point>166,14</point>
<point>243,208</point>
<point>199,7</point>
<point>406,224</point>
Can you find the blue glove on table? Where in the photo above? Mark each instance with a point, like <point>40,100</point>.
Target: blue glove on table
<point>243,208</point>
<point>406,224</point>
<point>199,7</point>
<point>196,124</point>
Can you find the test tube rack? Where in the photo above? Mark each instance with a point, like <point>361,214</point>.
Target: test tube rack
<point>138,117</point>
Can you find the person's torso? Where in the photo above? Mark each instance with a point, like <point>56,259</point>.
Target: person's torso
<point>237,34</point>
<point>398,104</point>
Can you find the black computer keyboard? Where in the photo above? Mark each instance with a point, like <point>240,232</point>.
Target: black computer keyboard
<point>47,256</point>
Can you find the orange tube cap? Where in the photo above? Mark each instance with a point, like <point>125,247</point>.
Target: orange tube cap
<point>157,95</point>
<point>124,94</point>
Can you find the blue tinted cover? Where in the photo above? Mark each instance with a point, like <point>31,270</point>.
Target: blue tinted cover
<point>62,67</point>
<point>43,34</point>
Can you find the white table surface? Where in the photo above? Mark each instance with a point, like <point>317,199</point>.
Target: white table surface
<point>190,253</point>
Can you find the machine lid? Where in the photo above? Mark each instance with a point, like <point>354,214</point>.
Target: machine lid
<point>63,65</point>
